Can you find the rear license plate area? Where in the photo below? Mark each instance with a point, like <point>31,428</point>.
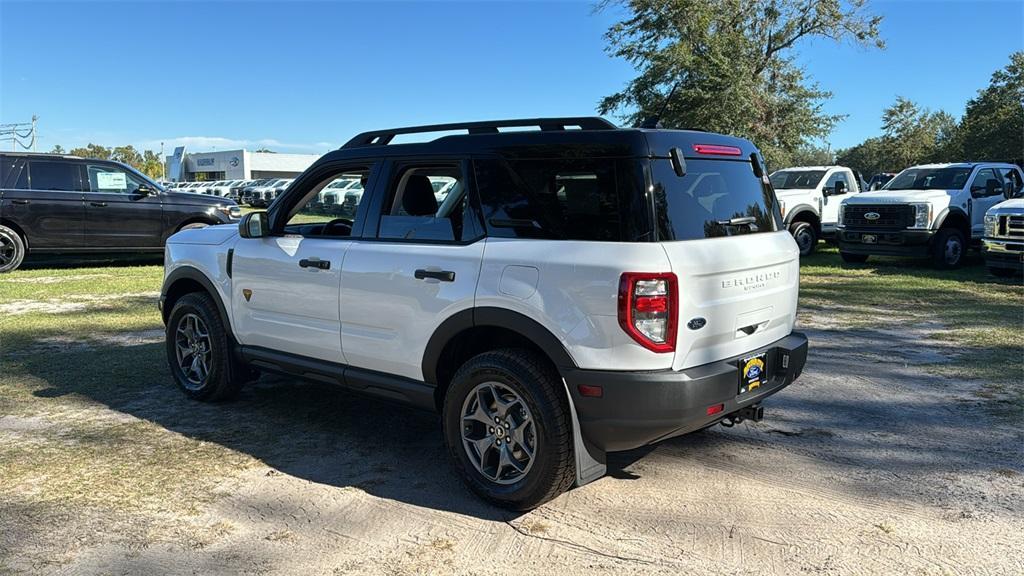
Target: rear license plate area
<point>753,373</point>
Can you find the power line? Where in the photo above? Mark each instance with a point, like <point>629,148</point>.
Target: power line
<point>20,133</point>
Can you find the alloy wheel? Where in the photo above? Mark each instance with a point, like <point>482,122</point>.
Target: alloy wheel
<point>498,433</point>
<point>193,349</point>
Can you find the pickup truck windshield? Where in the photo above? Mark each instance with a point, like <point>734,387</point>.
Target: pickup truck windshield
<point>929,179</point>
<point>796,179</point>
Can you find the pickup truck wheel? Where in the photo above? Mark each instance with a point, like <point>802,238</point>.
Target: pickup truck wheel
<point>805,236</point>
<point>948,248</point>
<point>853,258</point>
<point>198,350</point>
<point>507,428</point>
<point>12,249</point>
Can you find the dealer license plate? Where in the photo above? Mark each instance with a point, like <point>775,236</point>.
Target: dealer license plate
<point>753,373</point>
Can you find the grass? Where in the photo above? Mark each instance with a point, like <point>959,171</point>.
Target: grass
<point>90,421</point>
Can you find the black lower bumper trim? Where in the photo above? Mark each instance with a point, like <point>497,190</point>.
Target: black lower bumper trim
<point>886,242</point>
<point>638,408</point>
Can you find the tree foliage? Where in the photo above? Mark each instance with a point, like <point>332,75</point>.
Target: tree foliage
<point>809,155</point>
<point>992,128</point>
<point>147,162</point>
<point>732,64</point>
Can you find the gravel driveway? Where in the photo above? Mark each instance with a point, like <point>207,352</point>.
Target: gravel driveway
<point>866,465</point>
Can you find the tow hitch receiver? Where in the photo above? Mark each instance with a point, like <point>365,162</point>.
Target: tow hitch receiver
<point>753,413</point>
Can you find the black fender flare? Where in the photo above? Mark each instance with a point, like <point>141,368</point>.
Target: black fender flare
<point>194,274</point>
<point>497,317</point>
<point>941,217</point>
<point>800,209</point>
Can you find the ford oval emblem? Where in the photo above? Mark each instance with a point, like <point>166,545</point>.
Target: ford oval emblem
<point>872,216</point>
<point>696,323</point>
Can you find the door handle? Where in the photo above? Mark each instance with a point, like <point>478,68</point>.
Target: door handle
<point>315,263</point>
<point>442,275</point>
<point>21,201</point>
<point>98,204</point>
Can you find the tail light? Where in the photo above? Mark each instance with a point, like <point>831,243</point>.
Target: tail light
<point>649,309</point>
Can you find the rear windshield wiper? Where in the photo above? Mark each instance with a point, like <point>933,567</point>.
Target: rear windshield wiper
<point>748,221</point>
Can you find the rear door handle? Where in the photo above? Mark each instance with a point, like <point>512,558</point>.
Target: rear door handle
<point>21,201</point>
<point>98,204</point>
<point>442,275</point>
<point>315,263</point>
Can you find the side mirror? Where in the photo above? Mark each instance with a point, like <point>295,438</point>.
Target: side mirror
<point>992,187</point>
<point>840,188</point>
<point>145,190</point>
<point>254,225</point>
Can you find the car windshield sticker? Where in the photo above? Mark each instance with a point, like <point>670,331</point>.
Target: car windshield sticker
<point>111,181</point>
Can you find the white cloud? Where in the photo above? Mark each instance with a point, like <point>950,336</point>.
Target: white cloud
<point>206,143</point>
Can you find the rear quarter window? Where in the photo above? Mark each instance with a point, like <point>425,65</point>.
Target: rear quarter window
<point>702,203</point>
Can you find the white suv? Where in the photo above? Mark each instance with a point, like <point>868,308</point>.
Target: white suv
<point>809,199</point>
<point>573,290</point>
<point>934,210</point>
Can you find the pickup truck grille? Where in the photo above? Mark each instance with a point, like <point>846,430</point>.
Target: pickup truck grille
<point>1011,226</point>
<point>889,215</point>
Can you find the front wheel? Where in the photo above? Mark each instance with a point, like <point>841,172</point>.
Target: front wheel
<point>948,248</point>
<point>806,237</point>
<point>507,428</point>
<point>198,350</point>
<point>12,249</point>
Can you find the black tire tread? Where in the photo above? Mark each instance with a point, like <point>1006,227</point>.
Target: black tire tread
<point>539,370</point>
<point>20,242</point>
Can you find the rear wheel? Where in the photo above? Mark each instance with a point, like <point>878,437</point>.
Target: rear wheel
<point>199,352</point>
<point>506,425</point>
<point>853,258</point>
<point>806,237</point>
<point>12,249</point>
<point>948,248</point>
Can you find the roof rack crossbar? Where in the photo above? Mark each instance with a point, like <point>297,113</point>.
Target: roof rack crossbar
<point>383,137</point>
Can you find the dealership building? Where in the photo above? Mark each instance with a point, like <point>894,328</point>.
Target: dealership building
<point>235,165</point>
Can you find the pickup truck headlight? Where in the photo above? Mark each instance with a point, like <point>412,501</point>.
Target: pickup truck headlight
<point>991,222</point>
<point>922,215</point>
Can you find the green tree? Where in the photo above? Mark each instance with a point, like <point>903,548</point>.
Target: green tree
<point>92,151</point>
<point>809,155</point>
<point>152,165</point>
<point>993,124</point>
<point>58,149</point>
<point>732,64</point>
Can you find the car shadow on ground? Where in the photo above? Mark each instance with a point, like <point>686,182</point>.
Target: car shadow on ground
<point>64,261</point>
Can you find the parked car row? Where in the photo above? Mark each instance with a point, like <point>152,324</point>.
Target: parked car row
<point>937,211</point>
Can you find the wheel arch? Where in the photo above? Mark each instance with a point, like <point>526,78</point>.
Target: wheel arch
<point>185,280</point>
<point>17,230</point>
<point>804,213</point>
<point>954,218</point>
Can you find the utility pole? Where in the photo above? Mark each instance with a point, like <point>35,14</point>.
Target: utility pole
<point>163,164</point>
<point>19,133</point>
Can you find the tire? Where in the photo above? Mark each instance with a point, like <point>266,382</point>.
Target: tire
<point>217,377</point>
<point>1002,272</point>
<point>193,226</point>
<point>806,237</point>
<point>853,258</point>
<point>948,248</point>
<point>520,378</point>
<point>12,250</point>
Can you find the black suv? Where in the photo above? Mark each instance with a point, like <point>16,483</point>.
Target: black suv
<point>53,203</point>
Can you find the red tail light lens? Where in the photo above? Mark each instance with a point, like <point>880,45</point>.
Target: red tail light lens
<point>649,309</point>
<point>716,150</point>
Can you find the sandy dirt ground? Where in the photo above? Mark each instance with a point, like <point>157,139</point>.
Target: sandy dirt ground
<point>867,465</point>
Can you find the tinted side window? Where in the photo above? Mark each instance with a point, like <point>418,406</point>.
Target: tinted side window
<point>46,175</point>
<point>714,198</point>
<point>566,199</point>
<point>981,179</point>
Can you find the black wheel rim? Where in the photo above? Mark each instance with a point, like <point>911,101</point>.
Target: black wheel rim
<point>804,240</point>
<point>953,250</point>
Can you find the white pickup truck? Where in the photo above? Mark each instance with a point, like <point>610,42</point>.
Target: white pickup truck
<point>809,198</point>
<point>1004,237</point>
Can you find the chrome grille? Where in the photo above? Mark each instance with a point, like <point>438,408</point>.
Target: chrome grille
<point>889,215</point>
<point>1011,226</point>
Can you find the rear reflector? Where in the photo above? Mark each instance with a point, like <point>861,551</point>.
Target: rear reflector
<point>717,150</point>
<point>591,391</point>
<point>715,409</point>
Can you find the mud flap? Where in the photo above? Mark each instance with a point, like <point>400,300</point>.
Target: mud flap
<point>587,468</point>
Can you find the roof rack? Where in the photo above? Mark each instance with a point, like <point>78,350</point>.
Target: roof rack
<point>383,137</point>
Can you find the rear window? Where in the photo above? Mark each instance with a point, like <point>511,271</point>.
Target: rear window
<point>796,179</point>
<point>563,199</point>
<point>715,198</point>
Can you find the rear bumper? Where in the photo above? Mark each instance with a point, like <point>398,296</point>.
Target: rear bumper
<point>890,242</point>
<point>639,408</point>
<point>1004,254</point>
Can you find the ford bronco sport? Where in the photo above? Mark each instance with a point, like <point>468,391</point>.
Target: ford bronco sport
<point>571,290</point>
<point>935,210</point>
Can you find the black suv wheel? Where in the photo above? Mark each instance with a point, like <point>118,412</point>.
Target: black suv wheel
<point>198,350</point>
<point>506,424</point>
<point>12,249</point>
<point>806,237</point>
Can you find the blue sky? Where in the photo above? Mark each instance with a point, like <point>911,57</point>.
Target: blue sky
<point>305,77</point>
